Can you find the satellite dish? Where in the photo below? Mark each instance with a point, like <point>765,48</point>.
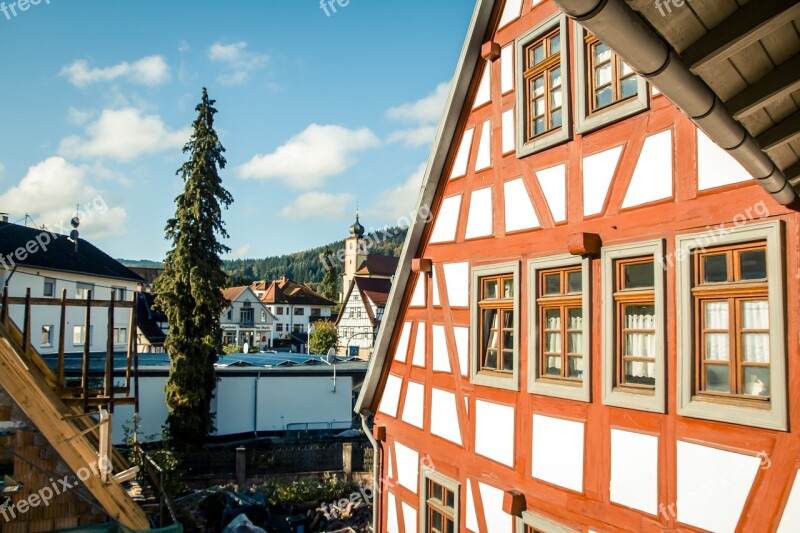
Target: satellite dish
<point>73,235</point>
<point>246,348</point>
<point>331,355</point>
<point>75,222</point>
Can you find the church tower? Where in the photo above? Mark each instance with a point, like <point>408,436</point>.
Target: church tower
<point>354,255</point>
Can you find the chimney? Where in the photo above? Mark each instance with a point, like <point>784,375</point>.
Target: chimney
<point>3,217</point>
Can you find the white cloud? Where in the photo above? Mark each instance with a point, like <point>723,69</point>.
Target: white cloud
<point>124,134</point>
<point>414,136</point>
<point>426,110</point>
<point>79,117</point>
<point>425,114</point>
<point>239,61</point>
<point>305,160</point>
<point>318,205</point>
<point>51,190</point>
<point>2,168</point>
<point>240,252</point>
<point>400,200</point>
<point>150,70</point>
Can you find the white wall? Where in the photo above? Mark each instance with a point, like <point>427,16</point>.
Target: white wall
<point>51,315</point>
<point>282,400</point>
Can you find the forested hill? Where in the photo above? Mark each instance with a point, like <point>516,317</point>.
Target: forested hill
<point>304,266</point>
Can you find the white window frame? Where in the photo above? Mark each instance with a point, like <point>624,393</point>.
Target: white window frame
<point>80,287</point>
<point>427,474</point>
<point>776,417</point>
<point>549,387</point>
<point>83,329</point>
<point>541,523</point>
<point>559,135</point>
<point>584,122</point>
<point>44,284</point>
<point>509,382</point>
<point>50,330</point>
<point>620,397</point>
<point>117,329</point>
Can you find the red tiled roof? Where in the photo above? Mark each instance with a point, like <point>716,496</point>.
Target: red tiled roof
<point>376,289</point>
<point>286,291</point>
<point>378,265</point>
<point>231,293</point>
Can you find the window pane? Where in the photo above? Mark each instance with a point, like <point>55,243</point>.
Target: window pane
<point>552,283</point>
<point>717,378</point>
<point>553,342</point>
<point>625,69</point>
<point>508,288</point>
<point>575,369</point>
<point>715,268</point>
<point>538,86</point>
<point>575,282</point>
<point>716,315</point>
<point>602,75</point>
<point>639,276</point>
<point>575,320</point>
<point>640,317</point>
<point>753,265</point>
<point>552,319</point>
<point>717,347</point>
<point>538,126</point>
<point>575,342</point>
<point>630,86</point>
<point>538,107</point>
<point>508,319</point>
<point>451,499</point>
<point>538,54</point>
<point>603,97</point>
<point>553,366</point>
<point>555,77</point>
<point>436,520</point>
<point>755,314</point>
<point>490,290</point>
<point>555,98</point>
<point>508,360</point>
<point>756,380</point>
<point>555,118</point>
<point>437,491</point>
<point>555,44</point>
<point>640,373</point>
<point>601,53</point>
<point>755,347</point>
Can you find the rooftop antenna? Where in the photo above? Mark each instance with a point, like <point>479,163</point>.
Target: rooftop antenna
<point>75,222</point>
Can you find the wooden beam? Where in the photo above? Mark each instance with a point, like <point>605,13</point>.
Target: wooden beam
<point>109,373</point>
<point>745,26</point>
<point>781,133</point>
<point>17,300</point>
<point>62,327</point>
<point>26,322</point>
<point>87,338</point>
<point>776,84</point>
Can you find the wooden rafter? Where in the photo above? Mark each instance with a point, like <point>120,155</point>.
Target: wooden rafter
<point>776,84</point>
<point>745,26</point>
<point>781,133</point>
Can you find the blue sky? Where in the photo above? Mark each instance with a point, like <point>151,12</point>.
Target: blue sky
<point>317,113</point>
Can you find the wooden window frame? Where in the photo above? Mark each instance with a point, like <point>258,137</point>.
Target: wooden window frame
<point>427,503</point>
<point>625,297</point>
<point>543,70</point>
<point>528,143</point>
<point>587,118</point>
<point>572,389</point>
<point>590,43</point>
<point>503,306</point>
<point>490,377</point>
<point>529,522</point>
<point>692,400</point>
<point>614,392</point>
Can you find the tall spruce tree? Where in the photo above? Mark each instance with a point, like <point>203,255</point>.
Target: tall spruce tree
<point>189,290</point>
<point>330,280</point>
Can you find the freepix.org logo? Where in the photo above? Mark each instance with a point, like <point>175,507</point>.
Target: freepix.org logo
<point>12,9</point>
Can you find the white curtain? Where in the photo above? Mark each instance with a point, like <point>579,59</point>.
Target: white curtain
<point>755,315</point>
<point>717,344</point>
<point>641,344</point>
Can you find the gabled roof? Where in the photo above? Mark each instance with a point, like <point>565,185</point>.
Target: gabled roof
<point>56,252</point>
<point>147,318</point>
<point>378,265</point>
<point>231,293</point>
<point>448,128</point>
<point>287,291</point>
<point>375,290</point>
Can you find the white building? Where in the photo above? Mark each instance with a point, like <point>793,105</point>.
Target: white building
<point>246,319</point>
<point>361,315</point>
<point>296,306</point>
<point>49,264</point>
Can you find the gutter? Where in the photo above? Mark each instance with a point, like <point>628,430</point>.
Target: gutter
<point>622,29</point>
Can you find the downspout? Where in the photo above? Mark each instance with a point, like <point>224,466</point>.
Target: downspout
<point>376,457</point>
<point>622,29</point>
